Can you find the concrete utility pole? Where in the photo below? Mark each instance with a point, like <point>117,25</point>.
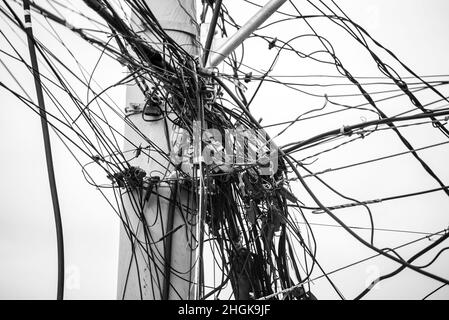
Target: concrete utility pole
<point>139,277</point>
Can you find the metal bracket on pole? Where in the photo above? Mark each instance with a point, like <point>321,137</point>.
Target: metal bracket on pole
<point>244,32</point>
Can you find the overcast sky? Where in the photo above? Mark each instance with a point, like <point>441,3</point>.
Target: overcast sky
<point>415,30</point>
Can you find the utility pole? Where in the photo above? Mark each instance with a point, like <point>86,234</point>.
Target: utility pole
<point>170,272</point>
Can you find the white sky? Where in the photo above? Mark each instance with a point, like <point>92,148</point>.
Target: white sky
<point>416,31</point>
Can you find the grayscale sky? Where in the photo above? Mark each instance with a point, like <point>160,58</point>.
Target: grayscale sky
<point>415,30</point>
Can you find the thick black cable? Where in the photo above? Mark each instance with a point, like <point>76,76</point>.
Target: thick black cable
<point>48,152</point>
<point>211,32</point>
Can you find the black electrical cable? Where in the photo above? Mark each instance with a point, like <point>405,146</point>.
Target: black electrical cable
<point>434,291</point>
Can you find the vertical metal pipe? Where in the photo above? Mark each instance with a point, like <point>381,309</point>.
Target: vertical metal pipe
<point>210,34</point>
